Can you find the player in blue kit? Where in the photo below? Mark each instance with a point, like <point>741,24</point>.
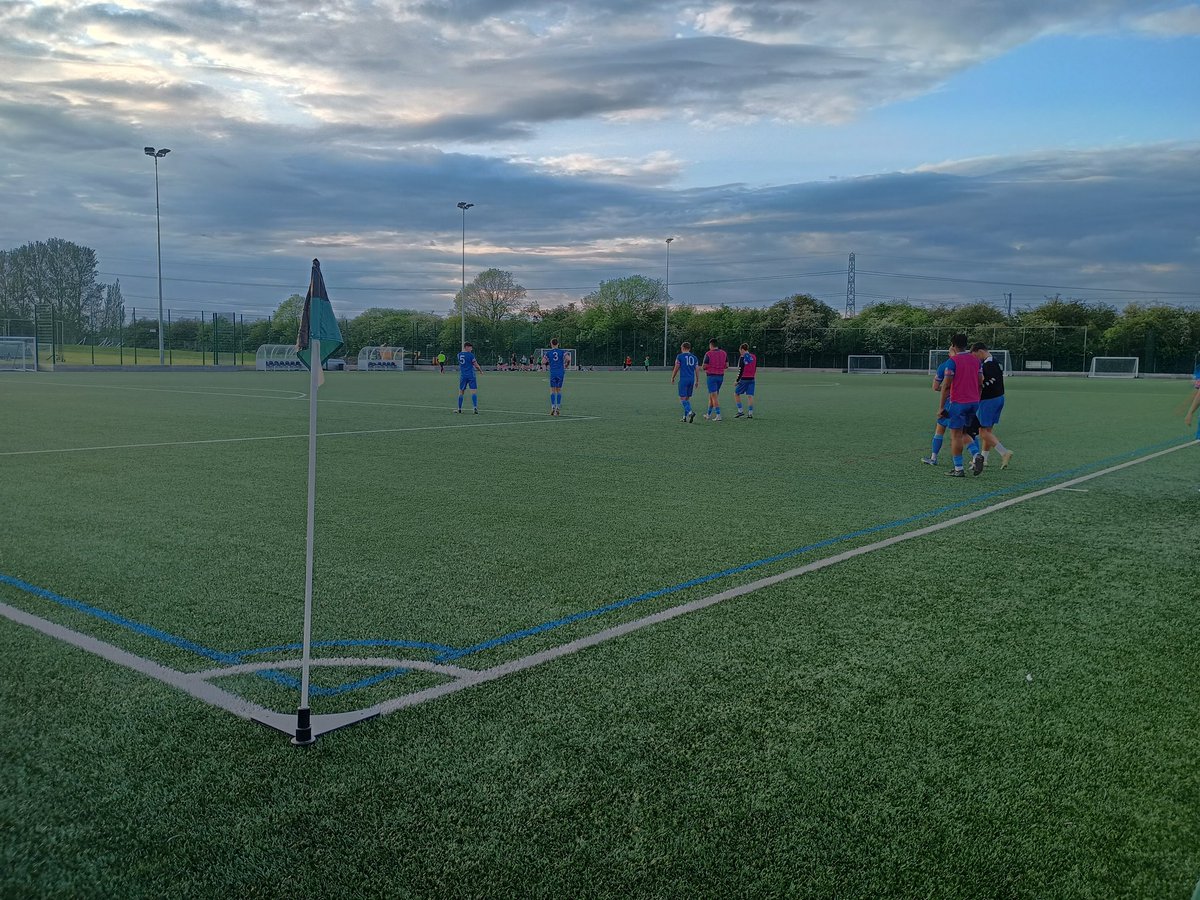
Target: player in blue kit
<point>685,371</point>
<point>556,361</point>
<point>939,428</point>
<point>467,367</point>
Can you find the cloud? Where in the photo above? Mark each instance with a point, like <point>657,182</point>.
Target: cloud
<point>1179,22</point>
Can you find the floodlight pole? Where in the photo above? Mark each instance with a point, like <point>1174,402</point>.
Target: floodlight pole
<point>462,298</point>
<point>158,154</point>
<point>667,301</point>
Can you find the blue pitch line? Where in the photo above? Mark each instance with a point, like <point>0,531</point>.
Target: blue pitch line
<point>789,554</point>
<point>138,627</point>
<point>446,653</point>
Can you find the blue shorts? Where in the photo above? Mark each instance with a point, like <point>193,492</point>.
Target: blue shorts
<point>715,382</point>
<point>686,388</point>
<point>744,387</point>
<point>556,380</point>
<point>944,421</point>
<point>467,381</point>
<point>989,411</point>
<point>960,414</point>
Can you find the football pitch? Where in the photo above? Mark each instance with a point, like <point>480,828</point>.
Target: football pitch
<point>613,654</point>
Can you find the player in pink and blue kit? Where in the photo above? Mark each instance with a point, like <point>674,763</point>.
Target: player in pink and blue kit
<point>747,368</point>
<point>716,361</point>
<point>556,361</point>
<point>960,395</point>
<point>685,370</point>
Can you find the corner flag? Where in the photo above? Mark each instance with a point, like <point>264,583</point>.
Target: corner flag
<point>317,322</point>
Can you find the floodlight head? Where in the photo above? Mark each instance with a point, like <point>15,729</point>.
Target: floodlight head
<point>464,206</point>
<point>163,152</point>
<point>670,239</point>
<point>149,151</point>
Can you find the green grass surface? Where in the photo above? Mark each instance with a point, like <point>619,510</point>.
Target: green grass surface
<point>1002,708</point>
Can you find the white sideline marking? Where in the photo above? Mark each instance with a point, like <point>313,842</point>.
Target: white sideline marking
<point>197,686</point>
<point>265,393</point>
<point>1077,490</point>
<point>285,437</point>
<point>536,659</point>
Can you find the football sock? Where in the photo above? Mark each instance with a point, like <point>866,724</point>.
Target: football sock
<point>973,446</point>
<point>460,401</point>
<point>716,410</point>
<point>687,407</point>
<point>937,443</point>
<point>958,462</point>
<point>474,400</point>
<point>739,405</point>
<point>985,454</point>
<point>999,446</point>
<point>553,401</point>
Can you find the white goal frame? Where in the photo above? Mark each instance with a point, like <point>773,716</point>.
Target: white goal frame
<point>1127,373</point>
<point>381,359</point>
<point>852,369</point>
<point>937,357</point>
<point>18,354</point>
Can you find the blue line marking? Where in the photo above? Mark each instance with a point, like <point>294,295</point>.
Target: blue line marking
<point>138,627</point>
<point>779,557</point>
<point>446,653</point>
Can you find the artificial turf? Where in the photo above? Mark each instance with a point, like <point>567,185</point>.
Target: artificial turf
<point>1003,708</point>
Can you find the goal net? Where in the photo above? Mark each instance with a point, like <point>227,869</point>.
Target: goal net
<point>937,357</point>
<point>866,365</point>
<point>17,354</point>
<point>381,359</point>
<point>1114,367</point>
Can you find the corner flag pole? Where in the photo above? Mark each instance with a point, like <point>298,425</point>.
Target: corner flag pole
<point>303,717</point>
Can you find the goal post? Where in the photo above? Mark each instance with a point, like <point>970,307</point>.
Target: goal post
<point>381,359</point>
<point>18,354</point>
<point>866,364</point>
<point>937,357</point>
<point>1114,367</point>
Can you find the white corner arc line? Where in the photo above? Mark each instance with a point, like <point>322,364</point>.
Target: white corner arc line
<point>381,662</point>
<point>196,686</point>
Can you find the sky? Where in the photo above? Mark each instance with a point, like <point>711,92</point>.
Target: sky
<point>961,151</point>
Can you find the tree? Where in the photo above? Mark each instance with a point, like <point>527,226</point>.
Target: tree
<point>285,323</point>
<point>971,314</point>
<point>492,296</point>
<point>625,304</point>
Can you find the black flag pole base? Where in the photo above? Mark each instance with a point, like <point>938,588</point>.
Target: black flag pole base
<point>303,736</point>
<point>304,728</point>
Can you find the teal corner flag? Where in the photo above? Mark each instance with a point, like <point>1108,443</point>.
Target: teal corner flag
<point>318,321</point>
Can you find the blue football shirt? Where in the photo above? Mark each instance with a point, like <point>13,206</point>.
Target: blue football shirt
<point>466,362</point>
<point>687,366</point>
<point>558,360</point>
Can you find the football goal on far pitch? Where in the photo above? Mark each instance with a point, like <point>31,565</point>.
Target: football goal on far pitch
<point>1114,367</point>
<point>17,354</point>
<point>866,364</point>
<point>937,357</point>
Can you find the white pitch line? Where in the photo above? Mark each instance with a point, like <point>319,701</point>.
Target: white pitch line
<point>194,685</point>
<point>1077,490</point>
<point>285,437</point>
<point>600,637</point>
<point>183,681</point>
<point>265,395</point>
<point>379,662</point>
